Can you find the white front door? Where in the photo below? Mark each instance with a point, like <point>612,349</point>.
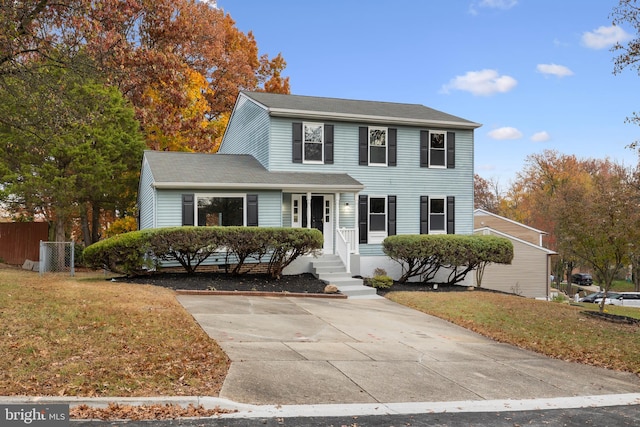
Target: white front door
<point>318,215</point>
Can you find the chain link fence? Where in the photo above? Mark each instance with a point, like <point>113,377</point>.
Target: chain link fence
<point>57,257</point>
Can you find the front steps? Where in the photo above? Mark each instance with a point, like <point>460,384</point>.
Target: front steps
<point>330,269</point>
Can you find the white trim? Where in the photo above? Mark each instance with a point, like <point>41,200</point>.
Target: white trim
<point>510,237</point>
<point>386,145</point>
<point>287,188</point>
<point>484,212</point>
<point>329,116</point>
<point>196,196</point>
<point>444,149</point>
<point>313,162</point>
<point>376,237</point>
<point>444,230</point>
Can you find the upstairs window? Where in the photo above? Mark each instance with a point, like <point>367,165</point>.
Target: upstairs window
<point>437,149</point>
<point>313,141</point>
<point>377,146</point>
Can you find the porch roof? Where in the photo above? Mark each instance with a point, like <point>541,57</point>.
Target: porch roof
<point>178,170</point>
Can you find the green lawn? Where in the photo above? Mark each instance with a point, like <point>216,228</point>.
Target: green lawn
<point>558,330</point>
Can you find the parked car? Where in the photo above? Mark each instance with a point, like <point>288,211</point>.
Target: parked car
<point>626,299</point>
<point>597,296</point>
<point>582,279</point>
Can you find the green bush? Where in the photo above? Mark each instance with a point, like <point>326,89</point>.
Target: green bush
<point>424,255</point>
<point>125,253</point>
<point>189,246</point>
<point>132,253</point>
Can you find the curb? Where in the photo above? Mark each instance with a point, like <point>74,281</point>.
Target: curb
<point>328,410</point>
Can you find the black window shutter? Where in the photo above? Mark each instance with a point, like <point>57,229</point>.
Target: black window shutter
<point>297,143</point>
<point>363,215</point>
<point>252,210</point>
<point>363,145</point>
<point>328,144</point>
<point>424,148</point>
<point>424,214</point>
<point>451,150</point>
<point>187,209</point>
<point>391,215</point>
<point>451,215</point>
<point>393,147</point>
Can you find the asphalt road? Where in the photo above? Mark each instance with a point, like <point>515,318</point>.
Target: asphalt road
<point>597,417</point>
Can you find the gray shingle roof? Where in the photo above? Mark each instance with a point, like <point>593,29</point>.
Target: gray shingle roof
<point>354,110</point>
<point>236,171</point>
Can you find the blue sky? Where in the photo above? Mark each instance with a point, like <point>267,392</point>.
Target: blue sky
<point>537,74</point>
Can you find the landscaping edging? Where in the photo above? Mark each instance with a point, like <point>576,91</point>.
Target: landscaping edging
<point>259,294</point>
<point>612,317</point>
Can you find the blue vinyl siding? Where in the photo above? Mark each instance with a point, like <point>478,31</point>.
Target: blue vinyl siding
<point>408,181</point>
<point>146,199</point>
<point>248,132</point>
<point>170,206</point>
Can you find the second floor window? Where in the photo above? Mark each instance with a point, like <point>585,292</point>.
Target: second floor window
<point>377,146</point>
<point>437,149</point>
<point>313,141</point>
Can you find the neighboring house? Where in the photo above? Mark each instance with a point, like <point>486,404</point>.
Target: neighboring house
<point>529,272</point>
<point>359,171</point>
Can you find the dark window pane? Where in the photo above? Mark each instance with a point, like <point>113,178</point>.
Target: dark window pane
<point>378,155</point>
<point>377,205</point>
<point>437,222</point>
<point>312,152</point>
<point>220,211</point>
<point>437,157</point>
<point>377,222</point>
<point>437,140</point>
<point>437,206</point>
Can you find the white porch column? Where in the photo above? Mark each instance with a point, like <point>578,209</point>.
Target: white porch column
<point>308,210</point>
<point>356,208</point>
<point>337,209</point>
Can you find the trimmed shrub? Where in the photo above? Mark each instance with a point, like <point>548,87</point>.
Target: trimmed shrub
<point>287,244</point>
<point>124,253</point>
<point>189,246</point>
<point>424,255</point>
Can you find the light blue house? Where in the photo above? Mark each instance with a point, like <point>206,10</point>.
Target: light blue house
<point>359,171</point>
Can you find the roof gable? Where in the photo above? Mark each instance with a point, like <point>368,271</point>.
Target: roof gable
<point>312,107</point>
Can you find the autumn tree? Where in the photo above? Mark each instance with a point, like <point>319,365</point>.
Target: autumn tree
<point>71,147</point>
<point>180,62</point>
<point>628,53</point>
<point>486,194</point>
<point>598,221</point>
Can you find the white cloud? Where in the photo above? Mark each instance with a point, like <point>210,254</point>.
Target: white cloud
<point>505,133</point>
<point>484,83</point>
<point>554,69</point>
<point>498,4</point>
<point>491,4</point>
<point>603,37</point>
<point>541,136</point>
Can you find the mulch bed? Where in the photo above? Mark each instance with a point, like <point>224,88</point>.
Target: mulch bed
<point>293,284</point>
<point>615,318</point>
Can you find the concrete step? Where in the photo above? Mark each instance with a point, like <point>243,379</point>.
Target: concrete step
<point>330,269</point>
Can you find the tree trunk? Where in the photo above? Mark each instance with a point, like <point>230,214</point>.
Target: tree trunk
<point>95,223</point>
<point>84,221</point>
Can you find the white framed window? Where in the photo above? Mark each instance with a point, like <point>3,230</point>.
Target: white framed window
<point>378,146</point>
<point>377,219</point>
<point>437,215</point>
<point>220,210</point>
<point>313,143</point>
<point>437,149</point>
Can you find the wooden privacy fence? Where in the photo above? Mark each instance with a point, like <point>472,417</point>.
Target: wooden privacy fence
<point>20,241</point>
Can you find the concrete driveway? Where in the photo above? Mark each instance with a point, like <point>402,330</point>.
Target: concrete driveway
<point>300,351</point>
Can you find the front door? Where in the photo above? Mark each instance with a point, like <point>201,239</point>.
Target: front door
<point>321,216</point>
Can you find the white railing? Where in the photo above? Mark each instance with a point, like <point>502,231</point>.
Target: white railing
<point>351,238</point>
<point>346,245</point>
